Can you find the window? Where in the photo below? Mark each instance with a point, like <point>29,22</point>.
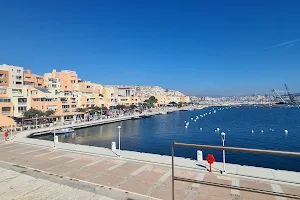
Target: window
<point>22,109</point>
<point>88,86</point>
<point>5,100</point>
<point>18,71</point>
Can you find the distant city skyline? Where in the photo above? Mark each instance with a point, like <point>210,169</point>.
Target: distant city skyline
<point>224,48</point>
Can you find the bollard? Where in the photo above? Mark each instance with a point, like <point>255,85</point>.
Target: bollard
<point>199,156</point>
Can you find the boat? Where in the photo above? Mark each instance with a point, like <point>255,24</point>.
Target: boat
<point>145,116</point>
<point>63,131</point>
<point>137,117</point>
<point>163,113</point>
<point>184,109</point>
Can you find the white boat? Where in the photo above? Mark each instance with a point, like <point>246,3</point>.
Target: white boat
<point>63,131</point>
<point>163,113</point>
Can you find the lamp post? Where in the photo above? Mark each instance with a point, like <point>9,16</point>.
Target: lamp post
<point>223,141</point>
<point>54,138</point>
<point>119,127</point>
<point>36,121</point>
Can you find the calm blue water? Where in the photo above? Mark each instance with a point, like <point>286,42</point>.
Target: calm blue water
<point>155,134</point>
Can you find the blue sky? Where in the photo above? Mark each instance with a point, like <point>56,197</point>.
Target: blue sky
<point>197,47</point>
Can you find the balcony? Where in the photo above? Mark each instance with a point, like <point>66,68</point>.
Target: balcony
<point>64,102</point>
<point>22,103</point>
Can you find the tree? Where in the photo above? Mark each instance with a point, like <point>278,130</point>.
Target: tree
<point>153,99</point>
<point>33,113</point>
<point>81,109</point>
<point>180,104</point>
<point>132,106</point>
<point>49,112</point>
<point>118,107</point>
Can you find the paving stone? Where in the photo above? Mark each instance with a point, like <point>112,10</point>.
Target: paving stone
<point>137,186</point>
<point>47,191</point>
<point>16,192</point>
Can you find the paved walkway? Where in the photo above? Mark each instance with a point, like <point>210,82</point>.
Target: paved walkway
<point>16,185</point>
<point>136,177</point>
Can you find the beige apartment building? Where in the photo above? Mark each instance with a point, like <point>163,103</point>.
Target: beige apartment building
<point>67,79</point>
<point>4,78</point>
<point>33,80</point>
<point>110,96</point>
<point>127,96</point>
<point>15,75</point>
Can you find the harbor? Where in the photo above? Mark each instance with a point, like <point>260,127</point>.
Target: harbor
<point>247,127</point>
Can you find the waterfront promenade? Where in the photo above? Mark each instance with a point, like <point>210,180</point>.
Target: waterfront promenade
<point>140,175</point>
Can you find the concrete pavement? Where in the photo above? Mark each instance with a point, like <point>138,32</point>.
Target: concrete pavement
<point>142,174</point>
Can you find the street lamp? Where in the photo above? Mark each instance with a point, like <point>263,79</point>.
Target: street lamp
<point>54,138</point>
<point>119,127</point>
<point>223,140</point>
<point>36,116</point>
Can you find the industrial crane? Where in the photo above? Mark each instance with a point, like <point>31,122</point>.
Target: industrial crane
<point>291,96</point>
<point>276,95</point>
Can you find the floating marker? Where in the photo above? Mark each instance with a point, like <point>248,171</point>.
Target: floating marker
<point>186,126</point>
<point>218,129</point>
<point>252,131</point>
<point>286,131</point>
<point>262,131</point>
<point>228,129</point>
<point>200,129</point>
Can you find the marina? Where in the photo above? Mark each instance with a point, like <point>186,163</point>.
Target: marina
<point>249,127</point>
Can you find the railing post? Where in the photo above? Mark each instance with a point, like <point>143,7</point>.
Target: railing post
<point>173,193</point>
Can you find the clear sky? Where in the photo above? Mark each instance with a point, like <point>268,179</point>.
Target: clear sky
<point>197,47</point>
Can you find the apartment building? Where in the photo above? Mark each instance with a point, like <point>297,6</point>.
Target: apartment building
<point>4,78</point>
<point>110,96</point>
<point>15,75</point>
<point>21,99</point>
<point>67,79</point>
<point>52,83</point>
<point>175,99</point>
<point>33,80</point>
<point>127,96</point>
<point>6,105</point>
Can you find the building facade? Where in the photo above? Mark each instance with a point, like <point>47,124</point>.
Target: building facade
<point>15,75</point>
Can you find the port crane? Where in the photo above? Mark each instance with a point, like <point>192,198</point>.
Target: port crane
<point>277,95</point>
<point>291,96</point>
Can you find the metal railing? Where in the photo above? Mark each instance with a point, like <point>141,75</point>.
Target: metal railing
<point>235,149</point>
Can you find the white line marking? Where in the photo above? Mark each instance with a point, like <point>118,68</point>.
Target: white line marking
<point>139,170</point>
<point>235,182</point>
<point>165,176</point>
<point>75,159</point>
<point>277,188</point>
<point>93,163</point>
<point>200,177</point>
<point>44,154</point>
<point>116,166</point>
<point>33,151</point>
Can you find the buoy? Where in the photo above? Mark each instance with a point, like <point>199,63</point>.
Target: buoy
<point>200,129</point>
<point>186,126</point>
<point>286,131</point>
<point>252,131</point>
<point>218,129</point>
<point>262,131</point>
<point>228,129</point>
<point>192,119</point>
<point>195,120</point>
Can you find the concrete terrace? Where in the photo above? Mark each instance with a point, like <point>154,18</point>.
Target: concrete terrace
<point>141,175</point>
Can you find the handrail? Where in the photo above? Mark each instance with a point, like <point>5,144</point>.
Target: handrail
<point>235,149</point>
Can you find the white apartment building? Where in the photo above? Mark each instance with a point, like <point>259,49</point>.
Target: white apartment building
<point>16,75</point>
